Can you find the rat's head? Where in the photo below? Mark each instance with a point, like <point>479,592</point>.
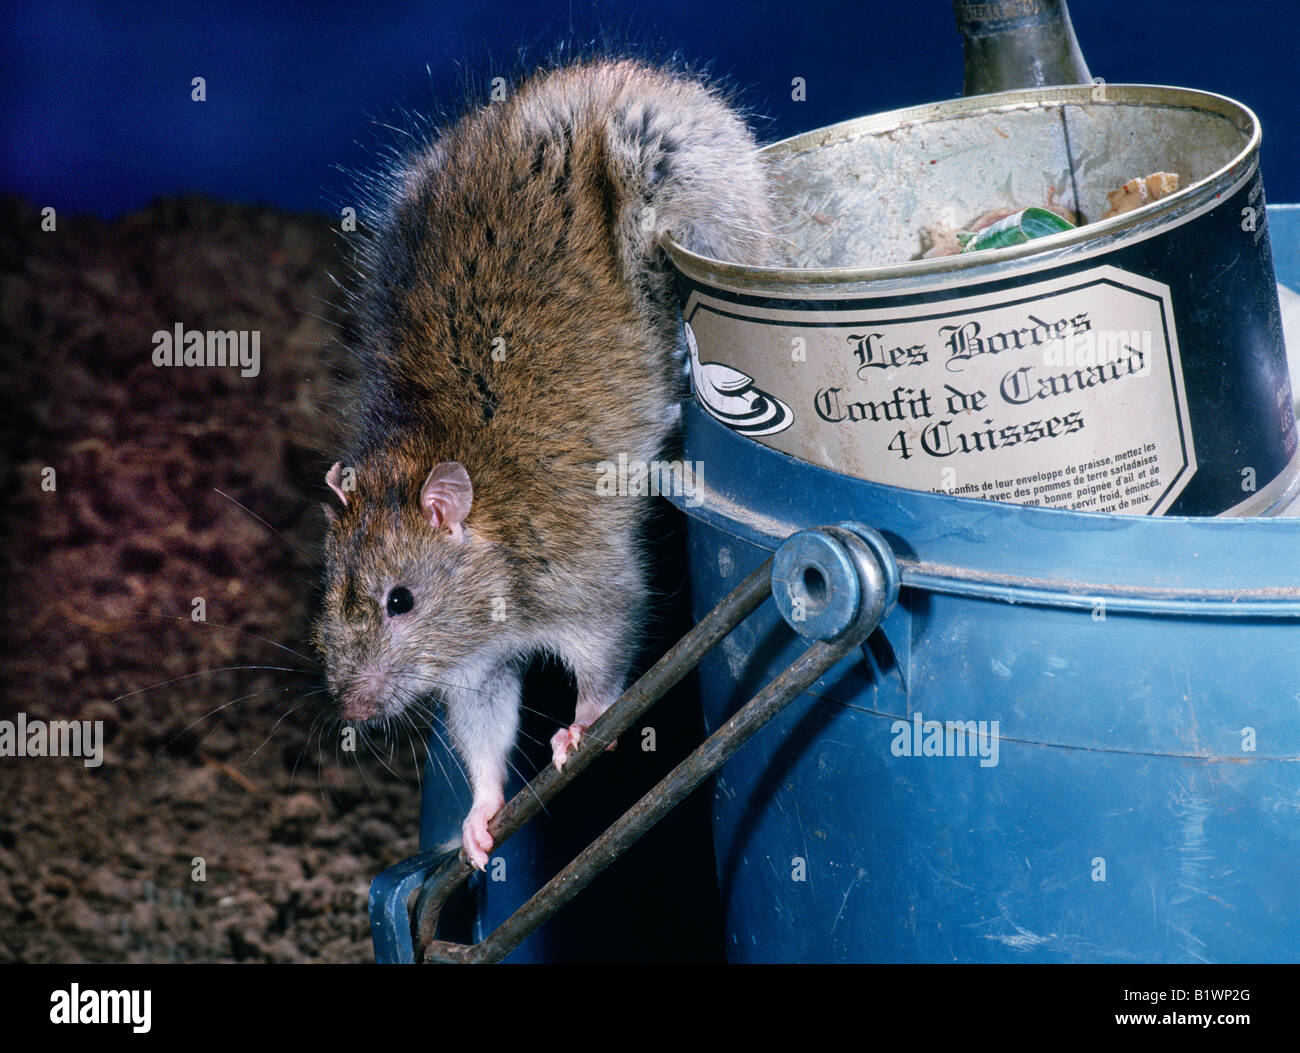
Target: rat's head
<point>409,587</point>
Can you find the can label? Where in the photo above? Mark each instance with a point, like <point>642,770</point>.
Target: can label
<point>1140,371</point>
<point>1068,393</point>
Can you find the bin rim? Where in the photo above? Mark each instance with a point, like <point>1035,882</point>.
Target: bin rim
<point>1178,565</point>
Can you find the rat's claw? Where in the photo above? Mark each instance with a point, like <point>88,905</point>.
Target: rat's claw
<point>475,838</point>
<point>564,742</point>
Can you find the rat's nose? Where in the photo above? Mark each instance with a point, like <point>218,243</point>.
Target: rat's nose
<point>355,708</point>
<point>363,697</point>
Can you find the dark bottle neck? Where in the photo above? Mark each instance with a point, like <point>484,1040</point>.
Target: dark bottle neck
<point>1018,44</point>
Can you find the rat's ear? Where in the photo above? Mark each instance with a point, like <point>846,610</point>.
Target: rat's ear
<point>334,479</point>
<point>446,496</point>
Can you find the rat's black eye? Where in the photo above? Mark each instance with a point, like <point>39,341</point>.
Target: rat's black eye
<point>400,601</point>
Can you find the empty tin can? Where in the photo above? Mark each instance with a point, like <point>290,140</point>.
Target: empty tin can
<point>1132,365</point>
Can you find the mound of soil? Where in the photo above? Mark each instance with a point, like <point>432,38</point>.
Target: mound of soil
<point>221,760</point>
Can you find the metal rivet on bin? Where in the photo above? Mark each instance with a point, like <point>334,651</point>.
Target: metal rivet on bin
<point>815,585</point>
<point>825,581</point>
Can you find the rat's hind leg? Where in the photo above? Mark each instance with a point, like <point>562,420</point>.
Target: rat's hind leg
<point>601,675</point>
<point>483,723</point>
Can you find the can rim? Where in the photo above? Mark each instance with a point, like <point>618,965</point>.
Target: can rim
<point>709,269</point>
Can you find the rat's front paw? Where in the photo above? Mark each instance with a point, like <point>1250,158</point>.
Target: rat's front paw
<point>475,838</point>
<point>564,742</point>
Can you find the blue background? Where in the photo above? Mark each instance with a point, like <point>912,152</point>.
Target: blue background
<point>95,110</point>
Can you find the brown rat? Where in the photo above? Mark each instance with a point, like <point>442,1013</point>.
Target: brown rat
<point>518,328</point>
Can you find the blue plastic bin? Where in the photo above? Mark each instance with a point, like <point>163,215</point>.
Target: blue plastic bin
<point>1143,802</point>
